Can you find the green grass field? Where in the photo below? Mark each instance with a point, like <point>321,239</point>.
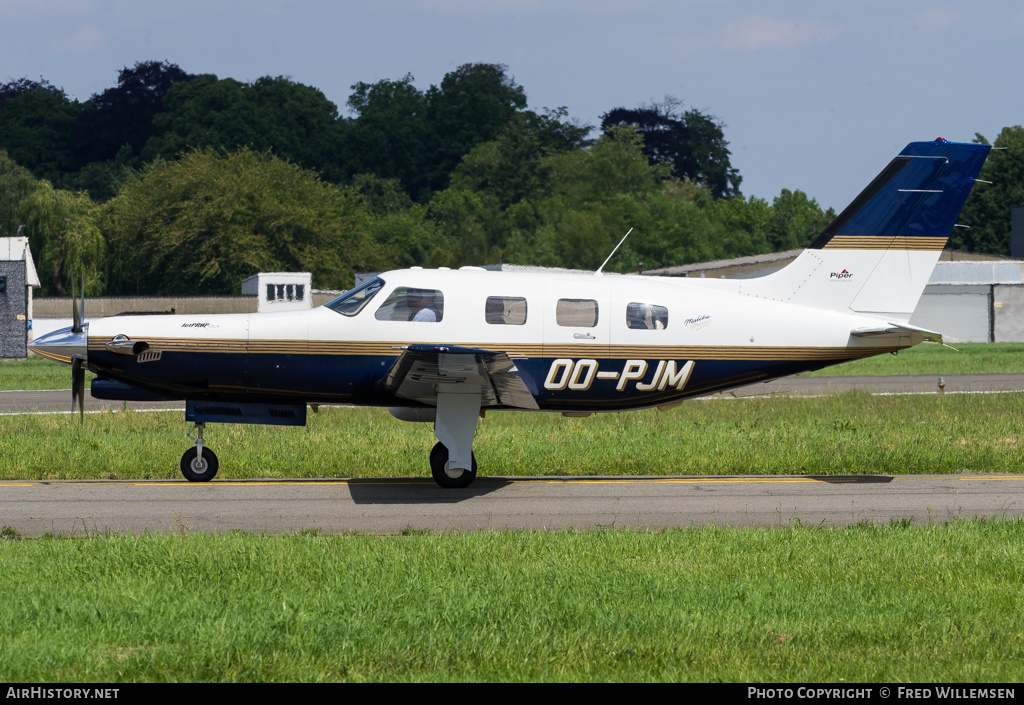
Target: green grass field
<point>860,604</point>
<point>35,373</point>
<point>845,433</point>
<point>932,359</point>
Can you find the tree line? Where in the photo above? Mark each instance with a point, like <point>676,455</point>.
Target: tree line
<point>170,182</point>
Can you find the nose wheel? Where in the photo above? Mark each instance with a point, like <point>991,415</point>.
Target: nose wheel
<point>198,464</point>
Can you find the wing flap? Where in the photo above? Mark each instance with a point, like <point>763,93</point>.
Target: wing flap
<point>421,372</point>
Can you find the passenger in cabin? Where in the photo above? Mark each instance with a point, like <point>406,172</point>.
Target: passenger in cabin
<point>646,316</point>
<point>420,302</point>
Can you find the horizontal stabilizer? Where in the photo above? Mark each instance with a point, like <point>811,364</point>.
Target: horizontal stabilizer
<point>897,329</point>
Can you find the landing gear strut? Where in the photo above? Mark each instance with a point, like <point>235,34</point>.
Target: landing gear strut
<point>452,462</point>
<point>198,464</point>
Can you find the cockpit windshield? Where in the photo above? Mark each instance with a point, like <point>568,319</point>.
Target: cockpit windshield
<point>352,301</point>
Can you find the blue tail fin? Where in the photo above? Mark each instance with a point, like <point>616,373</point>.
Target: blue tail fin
<point>919,195</point>
<point>877,256</point>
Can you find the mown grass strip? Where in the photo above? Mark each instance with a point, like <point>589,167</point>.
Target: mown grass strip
<point>888,603</point>
<point>932,359</point>
<point>36,373</point>
<point>840,434</point>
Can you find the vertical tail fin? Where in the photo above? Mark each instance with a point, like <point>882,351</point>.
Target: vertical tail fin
<point>877,256</point>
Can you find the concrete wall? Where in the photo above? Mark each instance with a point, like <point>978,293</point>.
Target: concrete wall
<point>13,311</point>
<point>1008,313</point>
<point>978,313</point>
<point>103,306</point>
<point>961,313</point>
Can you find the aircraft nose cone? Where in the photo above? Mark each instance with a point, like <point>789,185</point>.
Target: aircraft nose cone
<point>61,344</point>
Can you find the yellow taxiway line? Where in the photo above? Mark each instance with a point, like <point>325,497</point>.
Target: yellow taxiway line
<point>552,481</point>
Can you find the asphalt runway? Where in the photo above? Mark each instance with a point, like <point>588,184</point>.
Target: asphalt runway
<point>35,508</point>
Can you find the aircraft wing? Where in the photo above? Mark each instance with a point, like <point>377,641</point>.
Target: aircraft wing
<point>421,372</point>
<point>895,328</point>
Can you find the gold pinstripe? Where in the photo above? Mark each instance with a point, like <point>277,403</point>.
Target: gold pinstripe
<point>886,242</point>
<point>598,351</point>
<point>66,359</point>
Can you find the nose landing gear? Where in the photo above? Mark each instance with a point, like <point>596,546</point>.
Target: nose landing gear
<point>198,464</point>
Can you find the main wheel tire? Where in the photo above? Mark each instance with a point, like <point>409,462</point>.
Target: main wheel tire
<point>445,476</point>
<point>196,470</point>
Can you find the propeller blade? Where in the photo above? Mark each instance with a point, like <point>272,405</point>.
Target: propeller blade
<point>78,384</point>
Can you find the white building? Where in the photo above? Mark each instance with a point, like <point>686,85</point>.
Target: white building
<point>280,291</point>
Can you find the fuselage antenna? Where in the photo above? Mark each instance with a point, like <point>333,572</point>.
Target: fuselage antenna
<point>613,252</point>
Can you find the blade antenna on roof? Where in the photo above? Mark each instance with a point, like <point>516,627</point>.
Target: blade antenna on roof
<point>613,251</point>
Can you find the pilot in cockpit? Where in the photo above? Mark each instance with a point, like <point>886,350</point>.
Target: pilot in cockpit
<point>420,302</point>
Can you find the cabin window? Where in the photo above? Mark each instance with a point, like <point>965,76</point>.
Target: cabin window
<point>646,317</point>
<point>352,302</point>
<point>410,304</point>
<point>576,313</point>
<point>505,310</point>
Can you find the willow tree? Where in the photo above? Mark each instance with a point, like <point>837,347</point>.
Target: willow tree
<point>63,232</point>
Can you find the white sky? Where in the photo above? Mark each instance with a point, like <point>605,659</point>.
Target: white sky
<point>815,96</point>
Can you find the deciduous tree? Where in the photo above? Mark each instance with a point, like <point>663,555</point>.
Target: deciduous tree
<point>988,210</point>
<point>471,106</point>
<point>37,122</point>
<point>295,121</point>
<point>16,184</point>
<point>691,142</point>
<point>123,114</point>
<point>389,136</point>
<point>205,222</point>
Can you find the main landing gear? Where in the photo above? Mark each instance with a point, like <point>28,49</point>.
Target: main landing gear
<point>198,464</point>
<point>444,474</point>
<point>452,462</point>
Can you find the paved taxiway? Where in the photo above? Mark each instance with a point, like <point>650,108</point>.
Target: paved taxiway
<point>79,508</point>
<point>85,507</point>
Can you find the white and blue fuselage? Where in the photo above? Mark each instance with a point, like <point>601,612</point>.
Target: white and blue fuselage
<point>606,353</point>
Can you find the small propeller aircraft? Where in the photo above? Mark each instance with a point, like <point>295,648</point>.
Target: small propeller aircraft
<point>444,346</point>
